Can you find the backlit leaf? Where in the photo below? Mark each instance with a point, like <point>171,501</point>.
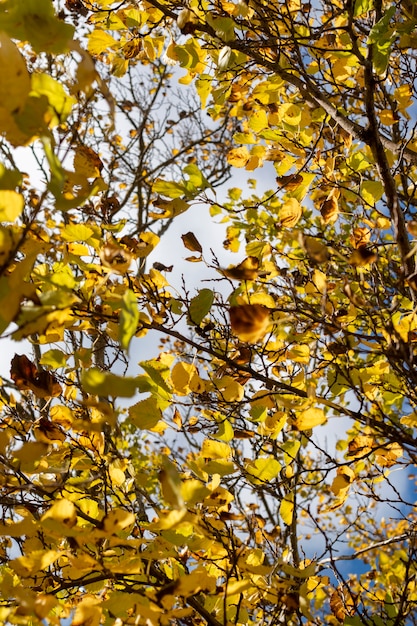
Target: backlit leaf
<point>250,322</point>
<point>128,321</point>
<point>309,418</point>
<point>290,213</point>
<point>286,508</point>
<point>200,305</point>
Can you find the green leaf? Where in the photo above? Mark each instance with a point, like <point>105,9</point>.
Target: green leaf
<point>145,413</point>
<point>35,21</point>
<point>200,305</point>
<point>128,321</point>
<point>106,384</point>
<point>263,469</point>
<point>60,102</point>
<point>54,358</point>
<point>362,6</point>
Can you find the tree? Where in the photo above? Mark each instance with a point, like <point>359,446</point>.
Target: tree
<point>206,489</point>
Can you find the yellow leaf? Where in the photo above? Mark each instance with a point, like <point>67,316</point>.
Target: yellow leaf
<point>145,414</point>
<point>286,509</point>
<point>15,80</point>
<point>290,213</point>
<point>215,449</point>
<point>290,114</point>
<point>309,418</point>
<point>362,256</point>
<point>230,389</point>
<point>258,121</point>
<point>87,162</point>
<point>185,378</point>
<point>11,205</point>
<point>117,520</point>
<point>38,560</point>
<point>388,456</point>
<point>117,475</point>
<point>171,483</point>
<point>262,469</point>
<point>99,41</point>
<point>238,157</point>
<point>88,612</point>
<point>299,353</point>
<point>62,511</point>
<point>246,270</point>
<point>343,479</point>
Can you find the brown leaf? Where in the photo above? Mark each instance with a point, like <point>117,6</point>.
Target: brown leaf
<point>329,210</point>
<point>246,270</point>
<point>342,604</point>
<point>290,182</point>
<point>191,242</point>
<point>249,322</point>
<point>26,376</point>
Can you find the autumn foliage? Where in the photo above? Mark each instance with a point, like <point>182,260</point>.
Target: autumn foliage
<point>238,451</point>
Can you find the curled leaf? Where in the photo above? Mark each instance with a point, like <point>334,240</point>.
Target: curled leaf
<point>290,213</point>
<point>360,237</point>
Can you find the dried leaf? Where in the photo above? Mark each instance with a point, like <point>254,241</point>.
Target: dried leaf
<point>290,182</point>
<point>26,376</point>
<point>329,210</point>
<point>191,242</point>
<point>250,322</point>
<point>246,270</point>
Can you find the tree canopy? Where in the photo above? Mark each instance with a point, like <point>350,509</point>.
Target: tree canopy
<point>258,467</point>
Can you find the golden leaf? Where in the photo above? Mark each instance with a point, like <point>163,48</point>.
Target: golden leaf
<point>238,157</point>
<point>249,322</point>
<point>309,418</point>
<point>362,256</point>
<point>361,445</point>
<point>360,237</point>
<point>342,481</point>
<point>316,251</point>
<point>290,213</point>
<point>87,162</point>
